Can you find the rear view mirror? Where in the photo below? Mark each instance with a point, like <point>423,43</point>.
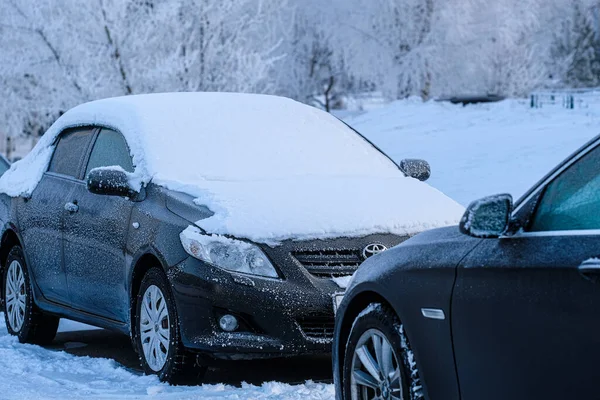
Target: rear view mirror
<point>110,181</point>
<point>415,168</point>
<point>488,217</point>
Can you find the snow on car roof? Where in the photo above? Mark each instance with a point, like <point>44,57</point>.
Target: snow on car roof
<point>269,167</point>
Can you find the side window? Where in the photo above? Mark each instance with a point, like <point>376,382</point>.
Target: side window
<point>572,200</point>
<point>70,150</point>
<point>4,165</point>
<point>110,150</point>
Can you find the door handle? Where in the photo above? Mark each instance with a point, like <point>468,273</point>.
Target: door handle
<point>590,269</point>
<point>72,207</point>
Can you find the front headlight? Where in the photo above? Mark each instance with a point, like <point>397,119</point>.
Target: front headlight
<point>232,255</point>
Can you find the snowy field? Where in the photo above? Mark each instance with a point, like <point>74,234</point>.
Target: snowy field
<point>474,151</point>
<point>483,149</point>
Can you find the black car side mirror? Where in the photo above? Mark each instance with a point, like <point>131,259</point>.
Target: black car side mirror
<point>110,182</point>
<point>488,217</point>
<point>415,168</point>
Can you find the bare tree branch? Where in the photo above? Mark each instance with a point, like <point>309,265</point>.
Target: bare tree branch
<point>116,54</point>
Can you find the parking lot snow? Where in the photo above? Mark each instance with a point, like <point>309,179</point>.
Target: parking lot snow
<point>31,372</point>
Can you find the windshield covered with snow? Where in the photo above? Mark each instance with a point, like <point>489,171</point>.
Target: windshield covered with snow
<point>231,138</point>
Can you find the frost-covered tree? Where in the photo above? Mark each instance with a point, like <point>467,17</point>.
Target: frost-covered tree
<point>512,59</point>
<point>393,41</point>
<point>580,45</point>
<point>55,55</point>
<point>312,70</point>
<point>202,45</point>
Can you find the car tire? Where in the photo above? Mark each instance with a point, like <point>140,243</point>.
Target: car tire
<point>378,361</point>
<point>23,318</point>
<point>157,334</point>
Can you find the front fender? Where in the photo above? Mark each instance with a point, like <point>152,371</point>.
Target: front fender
<point>419,273</point>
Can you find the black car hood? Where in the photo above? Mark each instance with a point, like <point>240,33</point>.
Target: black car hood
<point>183,205</point>
<point>442,247</point>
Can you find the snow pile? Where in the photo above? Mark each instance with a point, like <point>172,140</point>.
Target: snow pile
<point>482,149</point>
<point>343,281</point>
<point>270,168</point>
<point>32,372</point>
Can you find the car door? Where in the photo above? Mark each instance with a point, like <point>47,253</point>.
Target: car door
<point>95,235</point>
<point>526,307</point>
<point>41,215</point>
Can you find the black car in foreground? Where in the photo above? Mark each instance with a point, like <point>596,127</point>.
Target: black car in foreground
<point>505,306</point>
<point>109,219</point>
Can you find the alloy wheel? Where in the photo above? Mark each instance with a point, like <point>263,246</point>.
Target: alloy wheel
<point>376,371</point>
<point>154,328</point>
<point>15,296</point>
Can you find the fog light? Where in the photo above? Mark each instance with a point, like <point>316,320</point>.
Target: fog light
<point>228,323</point>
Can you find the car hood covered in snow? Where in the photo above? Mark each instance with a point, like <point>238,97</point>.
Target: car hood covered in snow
<point>270,168</point>
<point>302,209</point>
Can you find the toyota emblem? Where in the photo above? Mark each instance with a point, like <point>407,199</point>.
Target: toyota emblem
<point>373,249</point>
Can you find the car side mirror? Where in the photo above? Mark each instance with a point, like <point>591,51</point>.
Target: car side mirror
<point>110,181</point>
<point>415,168</point>
<point>488,217</point>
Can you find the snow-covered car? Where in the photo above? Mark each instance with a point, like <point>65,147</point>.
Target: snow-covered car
<point>504,306</point>
<point>219,225</point>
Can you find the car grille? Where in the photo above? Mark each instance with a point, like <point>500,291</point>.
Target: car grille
<point>329,263</point>
<point>320,328</point>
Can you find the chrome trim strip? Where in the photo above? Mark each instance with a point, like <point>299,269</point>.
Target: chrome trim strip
<point>581,232</point>
<point>433,313</point>
<point>64,177</point>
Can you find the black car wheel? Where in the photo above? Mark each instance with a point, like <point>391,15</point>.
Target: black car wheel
<point>157,336</point>
<point>378,362</point>
<point>23,318</point>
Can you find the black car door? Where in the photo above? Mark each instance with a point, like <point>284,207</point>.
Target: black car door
<point>41,215</point>
<point>95,235</point>
<point>526,308</point>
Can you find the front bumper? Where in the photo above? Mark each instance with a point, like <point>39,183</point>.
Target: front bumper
<point>277,317</point>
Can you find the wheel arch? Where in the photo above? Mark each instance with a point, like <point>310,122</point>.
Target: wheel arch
<point>357,304</point>
<point>10,238</point>
<point>144,261</point>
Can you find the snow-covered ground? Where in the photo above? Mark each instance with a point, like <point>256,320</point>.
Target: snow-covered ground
<point>480,150</point>
<point>474,151</point>
<point>32,372</point>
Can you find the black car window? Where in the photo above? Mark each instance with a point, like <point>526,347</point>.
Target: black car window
<point>4,166</point>
<point>110,150</point>
<point>70,150</point>
<point>572,200</point>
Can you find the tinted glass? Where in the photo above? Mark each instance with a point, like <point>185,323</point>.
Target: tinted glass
<point>110,150</point>
<point>70,150</point>
<point>572,200</point>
